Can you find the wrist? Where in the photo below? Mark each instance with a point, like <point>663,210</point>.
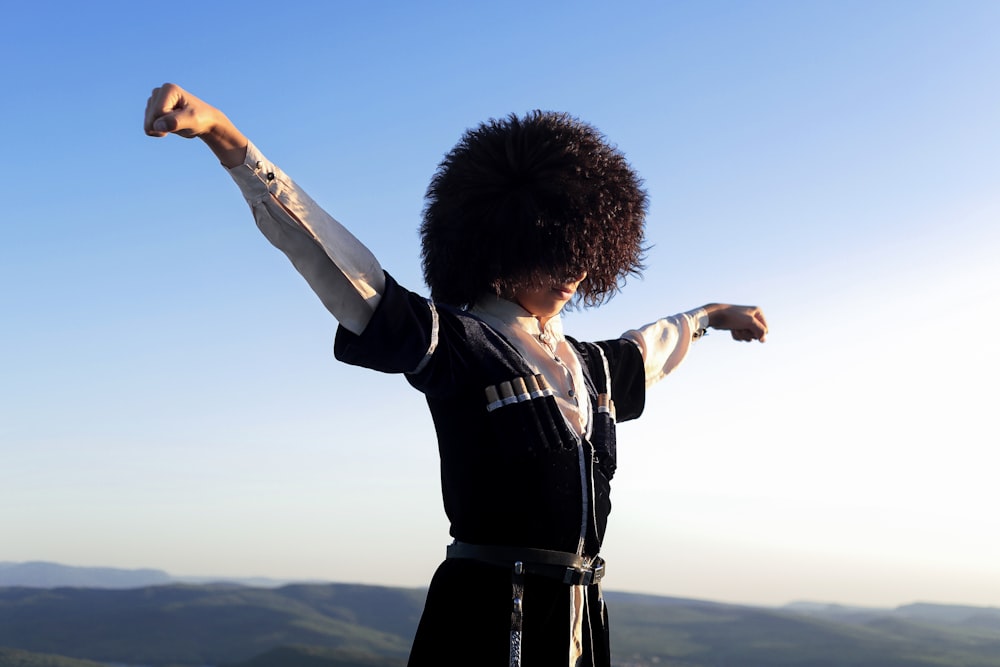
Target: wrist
<point>715,313</point>
<point>228,143</point>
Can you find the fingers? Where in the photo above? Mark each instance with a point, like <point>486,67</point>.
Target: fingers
<point>172,110</point>
<point>748,324</point>
<point>760,325</point>
<point>759,316</point>
<point>161,102</point>
<point>754,327</point>
<point>745,335</point>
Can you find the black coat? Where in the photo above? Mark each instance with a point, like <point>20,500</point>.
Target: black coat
<point>513,475</point>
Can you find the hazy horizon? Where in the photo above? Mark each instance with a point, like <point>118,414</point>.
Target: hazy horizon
<point>266,581</point>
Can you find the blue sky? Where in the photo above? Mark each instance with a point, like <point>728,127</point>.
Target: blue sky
<point>168,396</point>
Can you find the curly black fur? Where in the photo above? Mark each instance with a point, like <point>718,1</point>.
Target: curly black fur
<point>519,201</point>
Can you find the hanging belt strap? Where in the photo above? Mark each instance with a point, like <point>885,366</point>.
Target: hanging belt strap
<point>516,613</point>
<point>564,566</point>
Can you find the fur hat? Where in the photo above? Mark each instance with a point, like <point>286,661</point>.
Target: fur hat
<point>519,201</point>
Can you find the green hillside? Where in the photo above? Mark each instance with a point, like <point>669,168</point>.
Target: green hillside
<point>341,625</point>
<point>649,630</point>
<point>206,625</point>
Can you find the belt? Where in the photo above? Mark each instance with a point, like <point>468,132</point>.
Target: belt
<point>564,566</point>
<point>567,567</point>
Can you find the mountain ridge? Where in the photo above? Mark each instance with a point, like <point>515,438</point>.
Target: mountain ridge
<point>47,574</point>
<point>345,625</point>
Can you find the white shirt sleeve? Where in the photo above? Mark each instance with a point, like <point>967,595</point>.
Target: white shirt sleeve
<point>665,343</point>
<point>340,269</point>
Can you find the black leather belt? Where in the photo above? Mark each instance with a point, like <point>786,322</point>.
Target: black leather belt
<point>567,567</point>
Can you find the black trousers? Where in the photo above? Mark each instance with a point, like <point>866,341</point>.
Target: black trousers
<point>466,621</point>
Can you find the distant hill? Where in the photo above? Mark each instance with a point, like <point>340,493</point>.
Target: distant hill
<point>311,656</point>
<point>16,658</point>
<point>649,630</point>
<point>341,625</point>
<point>40,574</point>
<point>985,618</point>
<point>206,625</point>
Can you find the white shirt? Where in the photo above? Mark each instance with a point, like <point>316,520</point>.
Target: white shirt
<point>349,281</point>
<point>663,345</point>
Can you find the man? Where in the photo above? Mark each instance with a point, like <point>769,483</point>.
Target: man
<point>524,216</point>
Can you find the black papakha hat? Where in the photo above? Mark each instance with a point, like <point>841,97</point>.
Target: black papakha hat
<point>519,201</point>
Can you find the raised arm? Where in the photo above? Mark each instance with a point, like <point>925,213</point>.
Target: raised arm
<point>340,269</point>
<point>665,343</point>
<point>172,110</point>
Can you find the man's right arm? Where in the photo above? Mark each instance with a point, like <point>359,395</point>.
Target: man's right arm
<point>340,269</point>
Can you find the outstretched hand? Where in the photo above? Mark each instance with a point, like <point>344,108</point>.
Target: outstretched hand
<point>172,110</point>
<point>744,323</point>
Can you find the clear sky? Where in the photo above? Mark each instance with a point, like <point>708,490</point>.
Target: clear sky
<point>168,395</point>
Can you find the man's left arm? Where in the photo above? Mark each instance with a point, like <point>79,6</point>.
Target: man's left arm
<point>665,343</point>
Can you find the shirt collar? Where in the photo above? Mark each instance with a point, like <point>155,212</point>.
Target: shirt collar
<point>497,311</point>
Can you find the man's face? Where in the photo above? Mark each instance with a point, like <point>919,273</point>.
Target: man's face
<point>546,300</point>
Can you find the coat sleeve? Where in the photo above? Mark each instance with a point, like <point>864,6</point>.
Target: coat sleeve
<point>400,337</point>
<point>338,267</point>
<point>665,343</point>
<point>627,371</point>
